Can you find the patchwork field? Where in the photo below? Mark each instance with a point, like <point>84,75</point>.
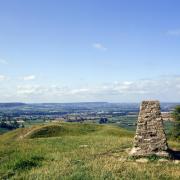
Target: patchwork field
<point>77,151</point>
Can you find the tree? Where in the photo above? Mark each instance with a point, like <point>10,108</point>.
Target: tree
<point>103,120</point>
<point>176,127</point>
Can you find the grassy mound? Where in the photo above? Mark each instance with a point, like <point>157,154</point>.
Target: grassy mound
<point>76,151</point>
<point>65,129</point>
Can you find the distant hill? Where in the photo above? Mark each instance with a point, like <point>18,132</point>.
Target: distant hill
<point>10,105</point>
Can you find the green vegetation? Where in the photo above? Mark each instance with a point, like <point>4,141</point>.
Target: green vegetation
<point>9,125</point>
<point>76,151</point>
<point>128,122</point>
<point>176,128</point>
<point>34,161</point>
<point>3,130</point>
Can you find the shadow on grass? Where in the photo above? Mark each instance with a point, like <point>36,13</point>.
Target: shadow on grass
<point>26,164</point>
<point>174,154</point>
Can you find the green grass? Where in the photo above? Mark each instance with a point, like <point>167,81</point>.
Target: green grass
<point>76,151</point>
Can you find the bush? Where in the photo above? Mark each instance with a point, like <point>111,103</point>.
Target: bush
<point>9,125</point>
<point>103,121</point>
<point>176,128</point>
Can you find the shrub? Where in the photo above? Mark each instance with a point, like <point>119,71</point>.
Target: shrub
<point>176,128</point>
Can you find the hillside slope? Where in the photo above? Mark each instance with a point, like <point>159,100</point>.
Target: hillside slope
<point>76,151</point>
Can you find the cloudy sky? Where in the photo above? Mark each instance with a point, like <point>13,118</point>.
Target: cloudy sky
<point>93,50</point>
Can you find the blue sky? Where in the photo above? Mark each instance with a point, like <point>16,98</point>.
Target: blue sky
<point>93,50</point>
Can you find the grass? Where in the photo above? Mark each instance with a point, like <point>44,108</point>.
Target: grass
<point>76,151</point>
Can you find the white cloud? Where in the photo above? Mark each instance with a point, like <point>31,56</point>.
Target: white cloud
<point>27,90</point>
<point>79,91</point>
<point>165,89</point>
<point>175,32</point>
<point>2,77</point>
<point>28,78</point>
<point>162,88</point>
<point>31,90</point>
<point>3,61</point>
<point>99,46</point>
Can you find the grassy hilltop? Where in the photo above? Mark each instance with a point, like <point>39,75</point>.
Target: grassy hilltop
<point>76,151</point>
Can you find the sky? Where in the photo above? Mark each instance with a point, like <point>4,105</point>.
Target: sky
<point>89,50</point>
